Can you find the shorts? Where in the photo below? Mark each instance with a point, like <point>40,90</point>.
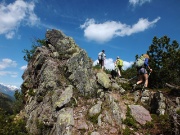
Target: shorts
<point>142,71</point>
<point>120,68</point>
<point>101,62</point>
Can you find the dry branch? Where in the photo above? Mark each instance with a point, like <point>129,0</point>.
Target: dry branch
<point>173,86</point>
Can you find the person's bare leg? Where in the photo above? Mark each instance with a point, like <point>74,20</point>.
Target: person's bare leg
<point>146,80</point>
<point>119,73</point>
<point>102,65</point>
<point>102,68</point>
<point>140,79</point>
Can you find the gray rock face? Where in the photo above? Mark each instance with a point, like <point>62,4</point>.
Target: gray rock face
<point>55,71</point>
<point>78,66</point>
<point>116,110</point>
<point>95,109</point>
<point>65,122</point>
<point>146,97</point>
<point>158,104</point>
<point>65,97</point>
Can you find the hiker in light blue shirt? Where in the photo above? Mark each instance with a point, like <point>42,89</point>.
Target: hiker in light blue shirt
<point>101,58</point>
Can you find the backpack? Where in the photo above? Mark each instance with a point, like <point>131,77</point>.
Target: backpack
<point>100,55</point>
<point>139,62</point>
<point>119,62</point>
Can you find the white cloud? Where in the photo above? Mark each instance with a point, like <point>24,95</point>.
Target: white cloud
<point>12,74</point>
<point>23,67</point>
<point>140,26</point>
<point>127,64</point>
<point>10,35</point>
<point>138,2</point>
<point>7,63</point>
<point>103,32</point>
<point>15,14</point>
<point>109,64</point>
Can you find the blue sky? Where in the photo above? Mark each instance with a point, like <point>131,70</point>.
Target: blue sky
<point>121,27</point>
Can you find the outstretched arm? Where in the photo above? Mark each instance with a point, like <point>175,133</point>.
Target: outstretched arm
<point>147,64</point>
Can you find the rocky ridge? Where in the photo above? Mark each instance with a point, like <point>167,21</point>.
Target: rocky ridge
<point>65,96</point>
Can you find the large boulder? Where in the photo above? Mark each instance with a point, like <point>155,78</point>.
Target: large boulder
<point>103,80</point>
<point>140,114</point>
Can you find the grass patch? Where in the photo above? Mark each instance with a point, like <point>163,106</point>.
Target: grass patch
<point>31,92</point>
<point>178,112</point>
<point>149,125</point>
<point>130,121</point>
<point>163,123</point>
<point>127,131</point>
<point>94,118</point>
<point>126,86</point>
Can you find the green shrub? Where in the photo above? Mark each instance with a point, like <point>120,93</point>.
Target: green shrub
<point>94,118</point>
<point>127,131</point>
<point>40,125</point>
<point>129,121</point>
<point>163,122</point>
<point>149,125</point>
<point>126,86</point>
<point>10,127</point>
<point>18,103</point>
<point>39,99</point>
<point>36,43</point>
<point>31,92</point>
<point>98,66</point>
<point>178,112</point>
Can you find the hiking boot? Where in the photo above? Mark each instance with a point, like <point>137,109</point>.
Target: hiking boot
<point>143,89</point>
<point>134,86</point>
<point>132,91</point>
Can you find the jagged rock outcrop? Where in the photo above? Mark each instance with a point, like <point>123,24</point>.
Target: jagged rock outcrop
<point>55,72</point>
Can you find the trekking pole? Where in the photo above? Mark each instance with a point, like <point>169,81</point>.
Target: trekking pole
<point>145,81</point>
<point>132,78</point>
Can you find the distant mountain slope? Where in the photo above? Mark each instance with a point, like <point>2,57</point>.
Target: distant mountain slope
<point>6,103</point>
<point>9,90</point>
